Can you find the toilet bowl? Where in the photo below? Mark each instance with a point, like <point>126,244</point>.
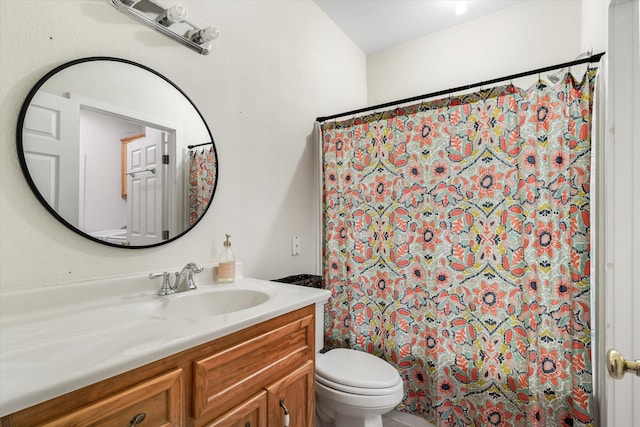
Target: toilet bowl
<point>354,389</point>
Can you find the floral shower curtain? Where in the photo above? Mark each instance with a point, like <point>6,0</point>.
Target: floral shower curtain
<point>202,167</point>
<point>456,247</point>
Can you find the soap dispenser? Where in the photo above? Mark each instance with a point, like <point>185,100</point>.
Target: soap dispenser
<point>227,264</point>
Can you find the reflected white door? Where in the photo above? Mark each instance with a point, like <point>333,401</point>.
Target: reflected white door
<point>144,190</point>
<point>50,140</point>
<point>622,212</point>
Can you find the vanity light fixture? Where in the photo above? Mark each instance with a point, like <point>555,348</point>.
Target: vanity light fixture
<point>171,22</point>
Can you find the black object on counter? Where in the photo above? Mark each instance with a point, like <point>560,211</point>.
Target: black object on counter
<point>308,280</point>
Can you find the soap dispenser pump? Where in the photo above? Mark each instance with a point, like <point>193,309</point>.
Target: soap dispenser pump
<point>227,264</point>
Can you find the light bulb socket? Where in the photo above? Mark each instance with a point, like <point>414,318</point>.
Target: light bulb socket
<point>204,35</point>
<point>173,15</point>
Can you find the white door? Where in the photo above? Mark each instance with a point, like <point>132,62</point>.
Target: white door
<point>144,190</point>
<point>50,140</point>
<point>622,213</point>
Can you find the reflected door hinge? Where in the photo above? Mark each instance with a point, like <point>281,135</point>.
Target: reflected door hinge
<point>165,159</point>
<point>165,235</point>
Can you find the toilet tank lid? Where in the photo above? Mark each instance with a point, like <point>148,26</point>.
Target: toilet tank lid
<point>356,369</point>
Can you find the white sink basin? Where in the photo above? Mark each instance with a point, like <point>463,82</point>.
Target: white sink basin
<point>94,330</point>
<point>198,304</point>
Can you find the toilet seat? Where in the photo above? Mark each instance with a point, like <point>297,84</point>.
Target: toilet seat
<point>357,372</point>
<point>359,391</point>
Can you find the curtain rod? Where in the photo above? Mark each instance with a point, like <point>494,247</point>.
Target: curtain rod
<point>198,145</point>
<point>593,58</point>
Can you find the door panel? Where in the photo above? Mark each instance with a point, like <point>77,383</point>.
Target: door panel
<point>144,194</point>
<point>622,211</point>
<point>50,141</point>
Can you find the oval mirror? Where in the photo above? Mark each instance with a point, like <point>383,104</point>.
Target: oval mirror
<point>117,152</point>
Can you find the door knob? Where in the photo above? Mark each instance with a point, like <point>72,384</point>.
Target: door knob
<point>618,366</point>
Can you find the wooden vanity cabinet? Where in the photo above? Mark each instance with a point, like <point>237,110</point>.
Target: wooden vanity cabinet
<point>252,413</point>
<point>236,380</point>
<point>297,392</point>
<point>158,402</point>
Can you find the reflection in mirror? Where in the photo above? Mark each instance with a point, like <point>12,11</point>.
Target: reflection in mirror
<point>117,152</point>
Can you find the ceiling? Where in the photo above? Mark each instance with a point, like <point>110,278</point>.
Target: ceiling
<point>375,25</point>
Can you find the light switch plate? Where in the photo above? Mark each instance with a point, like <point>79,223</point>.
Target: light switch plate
<point>295,245</point>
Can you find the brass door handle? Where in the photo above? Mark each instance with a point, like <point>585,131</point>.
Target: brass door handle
<point>618,366</point>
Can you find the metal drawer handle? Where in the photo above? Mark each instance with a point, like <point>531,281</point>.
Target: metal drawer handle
<point>286,412</point>
<point>137,419</point>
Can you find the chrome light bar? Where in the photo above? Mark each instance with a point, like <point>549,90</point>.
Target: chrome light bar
<point>169,21</point>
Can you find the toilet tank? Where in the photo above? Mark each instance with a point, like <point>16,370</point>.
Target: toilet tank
<point>319,326</point>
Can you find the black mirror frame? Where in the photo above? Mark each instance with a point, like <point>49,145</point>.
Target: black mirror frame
<point>34,188</point>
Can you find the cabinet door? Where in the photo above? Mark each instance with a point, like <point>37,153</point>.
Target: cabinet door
<point>158,401</point>
<point>252,413</point>
<point>296,391</point>
<point>256,358</point>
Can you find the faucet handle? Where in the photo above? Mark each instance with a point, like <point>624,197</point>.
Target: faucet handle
<point>195,268</point>
<point>166,288</point>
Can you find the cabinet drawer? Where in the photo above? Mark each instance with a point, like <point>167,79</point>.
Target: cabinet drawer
<point>252,413</point>
<point>160,399</point>
<point>244,368</point>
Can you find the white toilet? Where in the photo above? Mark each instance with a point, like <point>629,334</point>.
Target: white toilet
<point>354,388</point>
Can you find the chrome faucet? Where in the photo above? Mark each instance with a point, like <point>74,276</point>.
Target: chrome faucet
<point>168,289</point>
<point>189,269</point>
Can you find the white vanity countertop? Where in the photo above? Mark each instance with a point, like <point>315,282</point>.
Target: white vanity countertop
<point>58,339</point>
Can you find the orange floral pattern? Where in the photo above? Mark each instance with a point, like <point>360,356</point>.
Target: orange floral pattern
<point>457,247</point>
<point>203,172</point>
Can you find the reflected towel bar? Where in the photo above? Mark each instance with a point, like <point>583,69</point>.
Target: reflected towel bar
<point>132,174</point>
<point>199,145</point>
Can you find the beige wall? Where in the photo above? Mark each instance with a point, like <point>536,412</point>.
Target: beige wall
<point>276,66</point>
<point>532,35</point>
